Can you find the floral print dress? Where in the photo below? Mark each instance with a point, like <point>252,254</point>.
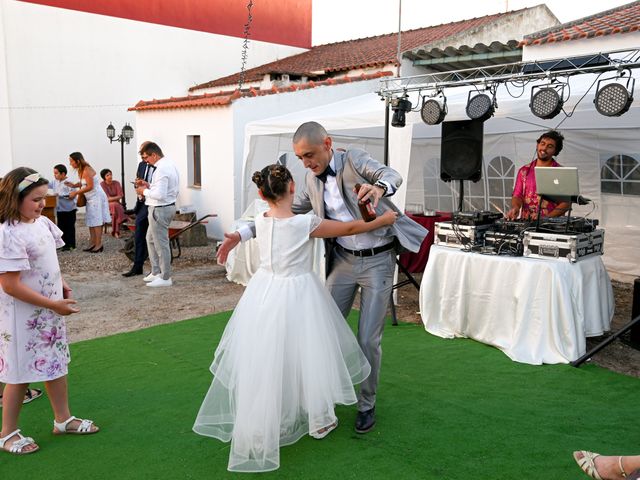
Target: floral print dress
<point>33,340</point>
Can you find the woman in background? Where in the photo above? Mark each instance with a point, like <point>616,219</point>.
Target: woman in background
<point>113,190</point>
<point>97,213</point>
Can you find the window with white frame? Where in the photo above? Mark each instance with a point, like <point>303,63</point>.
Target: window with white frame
<point>437,194</point>
<point>620,175</point>
<point>500,174</point>
<point>194,166</point>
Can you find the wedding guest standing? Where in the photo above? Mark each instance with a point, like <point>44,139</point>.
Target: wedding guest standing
<point>65,208</point>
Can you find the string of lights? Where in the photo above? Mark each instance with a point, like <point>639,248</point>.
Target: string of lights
<point>245,45</point>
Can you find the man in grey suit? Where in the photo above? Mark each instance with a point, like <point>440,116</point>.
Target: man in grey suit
<point>365,261</point>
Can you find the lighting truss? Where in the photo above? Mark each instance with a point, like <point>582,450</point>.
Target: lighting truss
<point>520,71</point>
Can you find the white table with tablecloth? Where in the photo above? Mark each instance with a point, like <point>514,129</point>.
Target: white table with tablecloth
<point>534,310</point>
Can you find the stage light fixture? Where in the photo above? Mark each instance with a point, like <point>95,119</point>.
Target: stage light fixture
<point>400,107</point>
<point>547,100</point>
<point>433,111</point>
<point>613,99</point>
<point>480,106</point>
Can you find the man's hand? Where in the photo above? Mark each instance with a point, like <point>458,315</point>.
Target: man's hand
<point>229,243</point>
<point>512,214</point>
<point>140,186</point>
<point>370,192</point>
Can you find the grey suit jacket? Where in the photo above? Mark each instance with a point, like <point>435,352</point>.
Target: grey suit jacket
<point>357,166</point>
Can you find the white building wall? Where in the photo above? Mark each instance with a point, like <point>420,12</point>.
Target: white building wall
<point>67,74</point>
<point>170,129</point>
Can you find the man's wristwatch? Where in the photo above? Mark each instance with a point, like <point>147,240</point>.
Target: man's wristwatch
<point>381,185</point>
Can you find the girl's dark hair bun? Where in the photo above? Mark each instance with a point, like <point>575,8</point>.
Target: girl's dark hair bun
<point>272,180</point>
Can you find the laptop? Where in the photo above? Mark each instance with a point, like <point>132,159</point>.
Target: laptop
<point>558,184</point>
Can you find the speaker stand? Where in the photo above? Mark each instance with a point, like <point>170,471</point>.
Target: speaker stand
<point>461,199</point>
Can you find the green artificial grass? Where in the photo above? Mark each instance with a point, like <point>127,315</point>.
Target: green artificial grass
<point>447,409</point>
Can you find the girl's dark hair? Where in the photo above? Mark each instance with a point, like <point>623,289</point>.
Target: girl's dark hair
<point>61,168</point>
<point>273,181</point>
<point>10,194</point>
<point>104,171</point>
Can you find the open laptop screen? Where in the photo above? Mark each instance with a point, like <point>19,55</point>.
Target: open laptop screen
<point>557,183</point>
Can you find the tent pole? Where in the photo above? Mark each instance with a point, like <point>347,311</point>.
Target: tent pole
<point>386,132</point>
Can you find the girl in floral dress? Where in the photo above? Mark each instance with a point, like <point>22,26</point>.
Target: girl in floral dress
<point>33,300</point>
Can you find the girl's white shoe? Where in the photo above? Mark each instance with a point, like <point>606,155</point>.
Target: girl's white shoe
<point>86,427</point>
<point>18,447</point>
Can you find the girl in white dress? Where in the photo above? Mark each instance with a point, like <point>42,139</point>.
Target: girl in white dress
<point>33,300</point>
<point>287,356</point>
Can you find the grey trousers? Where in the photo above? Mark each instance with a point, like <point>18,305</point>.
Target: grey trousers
<point>374,275</point>
<point>158,240</point>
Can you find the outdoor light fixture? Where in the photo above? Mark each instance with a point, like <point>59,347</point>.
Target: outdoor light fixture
<point>547,100</point>
<point>433,111</point>
<point>125,137</point>
<point>480,106</point>
<point>400,107</point>
<point>613,99</point>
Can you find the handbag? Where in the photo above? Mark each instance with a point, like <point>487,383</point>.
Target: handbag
<point>81,200</point>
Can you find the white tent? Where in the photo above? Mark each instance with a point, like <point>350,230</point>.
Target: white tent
<point>593,142</point>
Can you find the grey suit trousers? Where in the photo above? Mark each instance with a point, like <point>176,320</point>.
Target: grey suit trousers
<point>158,240</point>
<point>374,275</point>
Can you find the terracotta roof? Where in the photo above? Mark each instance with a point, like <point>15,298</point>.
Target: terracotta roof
<point>220,99</point>
<point>623,19</point>
<point>368,52</point>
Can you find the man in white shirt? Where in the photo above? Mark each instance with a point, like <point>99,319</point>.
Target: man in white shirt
<point>160,195</point>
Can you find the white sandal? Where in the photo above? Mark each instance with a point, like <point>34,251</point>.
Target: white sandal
<point>83,429</point>
<point>587,463</point>
<point>17,447</point>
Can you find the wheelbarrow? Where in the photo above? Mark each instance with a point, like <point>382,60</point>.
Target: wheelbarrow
<point>176,228</point>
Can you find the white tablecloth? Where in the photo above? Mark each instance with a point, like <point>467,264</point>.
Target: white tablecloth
<point>536,311</point>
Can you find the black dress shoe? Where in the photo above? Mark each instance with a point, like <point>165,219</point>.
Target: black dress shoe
<point>133,272</point>
<point>88,249</point>
<point>365,421</point>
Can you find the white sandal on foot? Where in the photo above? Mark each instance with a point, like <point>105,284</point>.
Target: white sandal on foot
<point>83,429</point>
<point>587,463</point>
<point>17,447</point>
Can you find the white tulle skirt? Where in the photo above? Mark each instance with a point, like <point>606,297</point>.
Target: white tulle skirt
<point>286,357</point>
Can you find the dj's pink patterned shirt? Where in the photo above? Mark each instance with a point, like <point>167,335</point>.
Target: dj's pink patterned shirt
<point>526,190</point>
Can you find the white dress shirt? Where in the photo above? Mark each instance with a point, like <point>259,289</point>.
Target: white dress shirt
<point>164,184</point>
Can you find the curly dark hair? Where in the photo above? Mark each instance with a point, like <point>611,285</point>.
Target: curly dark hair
<point>556,137</point>
<point>273,181</point>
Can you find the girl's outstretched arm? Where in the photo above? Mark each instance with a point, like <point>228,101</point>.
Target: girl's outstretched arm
<point>332,228</point>
<point>11,285</point>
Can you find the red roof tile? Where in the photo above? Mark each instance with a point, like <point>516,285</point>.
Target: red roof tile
<point>225,98</point>
<point>625,18</point>
<point>353,54</point>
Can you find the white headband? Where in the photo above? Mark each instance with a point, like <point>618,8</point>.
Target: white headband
<point>28,180</point>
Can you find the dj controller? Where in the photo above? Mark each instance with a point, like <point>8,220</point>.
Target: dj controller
<point>488,232</point>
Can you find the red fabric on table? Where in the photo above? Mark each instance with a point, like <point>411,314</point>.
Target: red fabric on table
<point>415,262</point>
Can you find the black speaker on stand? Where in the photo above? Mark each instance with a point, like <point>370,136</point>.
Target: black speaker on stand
<point>461,152</point>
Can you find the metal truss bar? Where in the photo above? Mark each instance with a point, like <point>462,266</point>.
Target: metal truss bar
<point>512,72</point>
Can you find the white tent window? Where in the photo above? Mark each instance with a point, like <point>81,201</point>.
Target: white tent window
<point>620,175</point>
<point>474,196</point>
<point>500,177</point>
<point>437,194</point>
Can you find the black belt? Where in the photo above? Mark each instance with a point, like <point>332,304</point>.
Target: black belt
<point>167,205</point>
<point>368,252</point>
